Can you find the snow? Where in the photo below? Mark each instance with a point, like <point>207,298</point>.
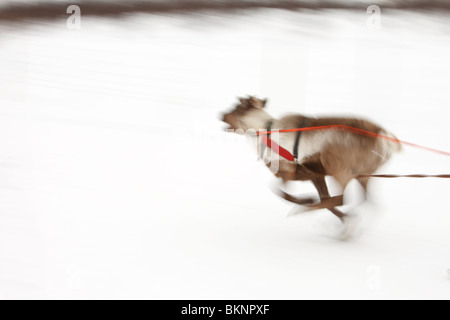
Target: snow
<point>118,181</point>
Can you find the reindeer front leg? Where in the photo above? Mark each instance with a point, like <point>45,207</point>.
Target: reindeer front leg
<point>325,202</point>
<point>289,172</point>
<point>278,190</point>
<point>297,200</point>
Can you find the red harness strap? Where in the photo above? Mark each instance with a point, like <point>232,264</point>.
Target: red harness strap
<point>275,147</point>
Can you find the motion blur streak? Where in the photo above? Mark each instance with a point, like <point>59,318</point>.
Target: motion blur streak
<point>117,179</point>
<point>23,10</point>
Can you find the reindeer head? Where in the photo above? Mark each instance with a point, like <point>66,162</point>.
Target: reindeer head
<point>248,114</point>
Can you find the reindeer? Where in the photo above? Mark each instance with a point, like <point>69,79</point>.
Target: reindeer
<point>344,155</point>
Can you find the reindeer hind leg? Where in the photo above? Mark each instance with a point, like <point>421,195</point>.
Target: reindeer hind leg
<point>321,186</point>
<point>364,181</point>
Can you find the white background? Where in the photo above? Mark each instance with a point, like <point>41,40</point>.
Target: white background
<point>117,180</point>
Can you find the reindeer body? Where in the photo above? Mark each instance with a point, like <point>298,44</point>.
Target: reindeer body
<point>341,154</point>
<point>344,155</point>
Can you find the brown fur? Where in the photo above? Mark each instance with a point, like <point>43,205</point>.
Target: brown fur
<point>344,156</point>
<point>346,161</point>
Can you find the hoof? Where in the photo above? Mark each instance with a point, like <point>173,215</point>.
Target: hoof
<point>350,224</point>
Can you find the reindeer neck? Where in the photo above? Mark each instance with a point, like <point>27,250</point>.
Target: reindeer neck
<point>263,121</point>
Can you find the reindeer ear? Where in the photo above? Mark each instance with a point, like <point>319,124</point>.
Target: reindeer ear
<point>264,102</point>
<point>257,103</point>
<point>242,100</point>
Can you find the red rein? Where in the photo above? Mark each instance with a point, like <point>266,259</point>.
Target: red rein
<point>288,156</point>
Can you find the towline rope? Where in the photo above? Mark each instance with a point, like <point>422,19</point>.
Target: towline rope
<point>374,135</point>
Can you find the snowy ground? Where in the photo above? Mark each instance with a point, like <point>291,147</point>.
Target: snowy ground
<point>117,181</point>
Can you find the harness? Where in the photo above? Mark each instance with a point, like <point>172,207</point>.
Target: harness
<point>262,147</point>
<point>303,124</point>
<point>266,142</point>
